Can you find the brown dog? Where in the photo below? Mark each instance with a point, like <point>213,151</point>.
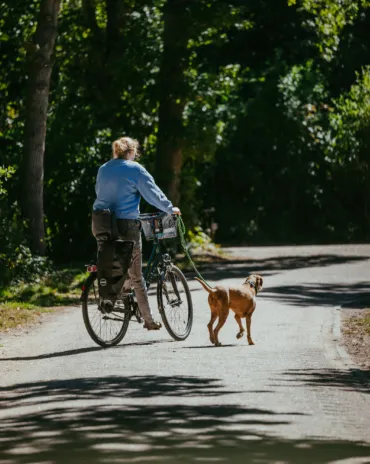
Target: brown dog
<point>240,298</point>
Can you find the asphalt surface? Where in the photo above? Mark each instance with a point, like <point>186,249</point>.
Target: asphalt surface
<point>290,398</point>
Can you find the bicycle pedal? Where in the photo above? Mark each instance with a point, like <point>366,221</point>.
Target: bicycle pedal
<point>139,319</point>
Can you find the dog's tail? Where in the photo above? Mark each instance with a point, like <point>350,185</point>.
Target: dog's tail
<point>204,285</point>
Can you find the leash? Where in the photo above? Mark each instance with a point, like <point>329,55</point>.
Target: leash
<point>182,231</point>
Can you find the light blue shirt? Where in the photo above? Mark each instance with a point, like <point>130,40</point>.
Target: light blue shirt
<point>119,186</point>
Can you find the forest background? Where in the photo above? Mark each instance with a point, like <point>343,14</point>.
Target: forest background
<point>252,115</point>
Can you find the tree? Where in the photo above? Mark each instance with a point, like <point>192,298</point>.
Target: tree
<point>172,97</point>
<point>39,73</point>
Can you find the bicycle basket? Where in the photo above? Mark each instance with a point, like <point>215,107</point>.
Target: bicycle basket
<point>159,225</point>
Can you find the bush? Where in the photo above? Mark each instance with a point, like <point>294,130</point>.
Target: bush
<point>16,260</point>
<point>200,242</point>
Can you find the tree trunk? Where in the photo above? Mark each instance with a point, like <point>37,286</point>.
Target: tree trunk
<point>40,52</point>
<point>117,11</point>
<point>172,98</point>
<point>89,11</point>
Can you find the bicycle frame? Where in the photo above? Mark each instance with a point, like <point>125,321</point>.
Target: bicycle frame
<point>155,259</point>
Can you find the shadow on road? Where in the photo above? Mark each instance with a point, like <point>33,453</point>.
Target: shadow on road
<point>58,354</point>
<point>317,294</point>
<point>70,430</point>
<point>350,379</point>
<point>242,268</point>
<point>148,386</point>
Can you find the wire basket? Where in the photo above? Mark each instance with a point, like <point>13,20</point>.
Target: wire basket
<point>159,225</point>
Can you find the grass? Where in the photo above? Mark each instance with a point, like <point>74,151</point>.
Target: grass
<point>364,322</point>
<point>22,303</point>
<point>14,314</point>
<point>359,324</point>
<point>59,288</point>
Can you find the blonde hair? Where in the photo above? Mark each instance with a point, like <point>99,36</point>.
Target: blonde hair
<point>124,146</point>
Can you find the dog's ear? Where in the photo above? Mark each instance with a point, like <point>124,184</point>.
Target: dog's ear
<point>259,283</point>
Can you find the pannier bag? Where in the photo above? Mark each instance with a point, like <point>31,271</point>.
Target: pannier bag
<point>114,255</point>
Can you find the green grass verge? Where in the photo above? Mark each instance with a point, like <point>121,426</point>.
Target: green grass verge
<point>60,288</point>
<point>22,303</point>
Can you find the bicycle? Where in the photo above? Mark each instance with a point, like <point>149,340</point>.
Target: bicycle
<point>173,295</point>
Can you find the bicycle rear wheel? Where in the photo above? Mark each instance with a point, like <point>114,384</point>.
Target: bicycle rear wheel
<point>106,329</point>
<point>175,304</point>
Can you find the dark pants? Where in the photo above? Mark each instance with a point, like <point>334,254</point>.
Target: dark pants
<point>114,254</point>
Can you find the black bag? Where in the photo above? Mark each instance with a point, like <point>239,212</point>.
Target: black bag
<point>114,255</point>
<point>104,224</point>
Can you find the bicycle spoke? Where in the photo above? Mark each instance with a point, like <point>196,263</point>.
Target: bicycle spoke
<point>175,303</point>
<point>106,326</point>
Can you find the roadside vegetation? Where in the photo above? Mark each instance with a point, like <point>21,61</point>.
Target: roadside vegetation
<point>359,324</point>
<point>23,301</point>
<point>16,314</point>
<point>356,335</point>
<point>43,286</point>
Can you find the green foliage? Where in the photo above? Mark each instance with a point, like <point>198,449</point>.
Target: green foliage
<point>200,242</point>
<point>16,259</point>
<point>53,288</point>
<point>328,19</point>
<point>350,115</point>
<point>276,120</point>
<point>5,174</point>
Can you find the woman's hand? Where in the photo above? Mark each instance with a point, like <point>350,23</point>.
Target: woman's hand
<point>176,211</point>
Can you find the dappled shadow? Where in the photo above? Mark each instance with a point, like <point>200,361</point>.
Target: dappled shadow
<point>350,379</point>
<point>116,387</point>
<point>75,430</point>
<point>318,294</point>
<point>235,268</point>
<point>361,302</point>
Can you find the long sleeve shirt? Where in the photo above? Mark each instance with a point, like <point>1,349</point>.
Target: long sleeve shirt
<point>120,185</point>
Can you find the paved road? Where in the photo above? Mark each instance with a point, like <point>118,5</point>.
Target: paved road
<point>289,399</point>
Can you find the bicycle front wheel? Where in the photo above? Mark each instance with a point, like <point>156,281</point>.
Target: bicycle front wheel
<point>175,304</point>
<point>106,329</point>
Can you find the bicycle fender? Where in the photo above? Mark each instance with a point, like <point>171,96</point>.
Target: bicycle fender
<point>85,286</point>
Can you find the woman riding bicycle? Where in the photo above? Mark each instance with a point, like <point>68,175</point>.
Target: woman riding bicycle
<point>119,186</point>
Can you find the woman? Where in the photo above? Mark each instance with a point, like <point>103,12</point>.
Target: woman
<point>119,186</point>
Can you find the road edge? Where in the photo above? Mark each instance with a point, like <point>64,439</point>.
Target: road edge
<point>337,335</point>
<point>339,356</point>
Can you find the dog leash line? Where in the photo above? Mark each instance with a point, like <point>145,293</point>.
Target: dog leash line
<point>182,232</point>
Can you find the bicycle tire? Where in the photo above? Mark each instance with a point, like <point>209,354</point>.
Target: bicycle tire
<point>91,288</point>
<point>174,272</point>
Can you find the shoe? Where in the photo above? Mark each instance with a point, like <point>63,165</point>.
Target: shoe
<point>152,325</point>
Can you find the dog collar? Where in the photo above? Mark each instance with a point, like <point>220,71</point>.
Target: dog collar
<point>253,285</point>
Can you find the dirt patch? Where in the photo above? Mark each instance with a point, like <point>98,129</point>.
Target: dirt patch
<point>16,314</point>
<point>355,325</point>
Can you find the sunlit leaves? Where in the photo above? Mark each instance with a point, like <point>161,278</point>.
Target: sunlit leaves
<point>351,114</point>
<point>5,174</point>
<point>328,19</point>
